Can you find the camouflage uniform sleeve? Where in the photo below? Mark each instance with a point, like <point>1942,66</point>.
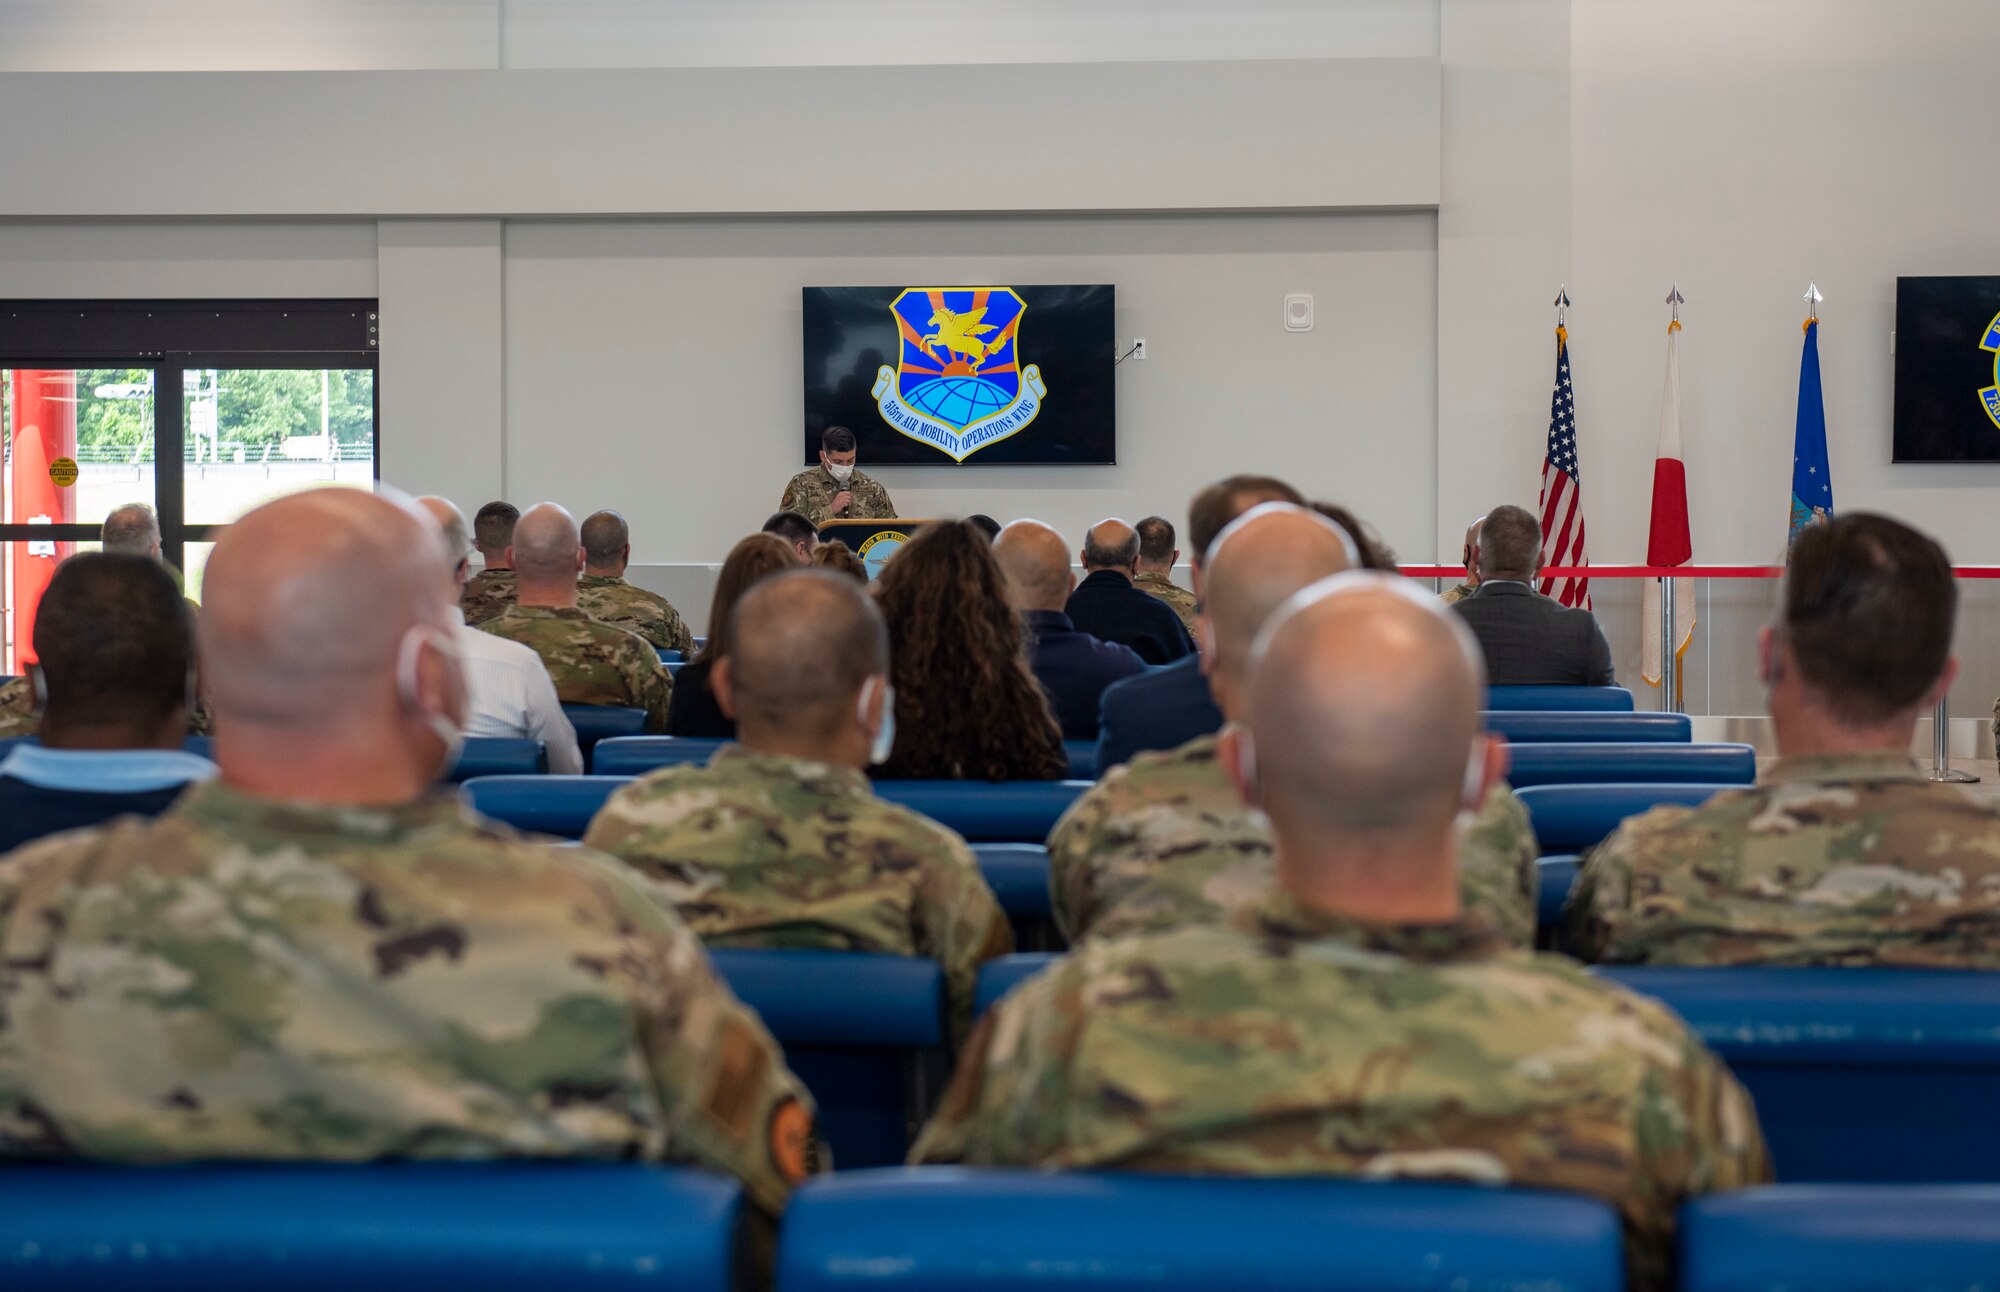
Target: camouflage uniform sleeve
<point>961,925</point>
<point>1599,906</point>
<point>1008,1102</point>
<point>676,630</point>
<point>803,500</point>
<point>651,686</point>
<point>1497,870</point>
<point>879,505</point>
<point>731,1103</point>
<point>1071,891</point>
<point>17,708</point>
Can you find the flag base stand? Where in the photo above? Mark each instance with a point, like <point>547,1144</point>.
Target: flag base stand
<point>1942,772</point>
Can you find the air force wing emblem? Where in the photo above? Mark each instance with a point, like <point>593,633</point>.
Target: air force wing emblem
<point>958,384</point>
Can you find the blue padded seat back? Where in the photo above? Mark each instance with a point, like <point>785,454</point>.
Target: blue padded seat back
<point>1841,1238</point>
<point>1655,762</point>
<point>1527,726</point>
<point>557,805</point>
<point>595,722</point>
<point>414,1227</point>
<point>1860,1075</point>
<point>494,756</point>
<point>669,656</point>
<point>864,1032</point>
<point>985,811</point>
<point>637,755</point>
<point>998,977</point>
<point>1554,876</point>
<point>1082,759</point>
<point>928,1229</point>
<point>1576,818</point>
<point>1018,874</point>
<point>1601,698</point>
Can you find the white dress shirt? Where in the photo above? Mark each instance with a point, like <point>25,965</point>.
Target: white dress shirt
<point>510,696</point>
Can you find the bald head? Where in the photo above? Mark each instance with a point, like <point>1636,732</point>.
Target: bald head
<point>306,602</point>
<point>454,533</point>
<point>546,553</point>
<point>1035,559</point>
<point>1257,564</point>
<point>1364,709</point>
<point>1111,545</point>
<point>607,542</point>
<point>804,642</point>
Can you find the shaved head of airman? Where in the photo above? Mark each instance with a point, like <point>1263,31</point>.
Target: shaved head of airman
<point>1257,564</point>
<point>1035,559</point>
<point>1364,711</point>
<point>307,602</point>
<point>803,643</point>
<point>546,546</point>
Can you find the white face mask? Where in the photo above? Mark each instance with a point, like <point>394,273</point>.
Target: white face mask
<point>885,734</point>
<point>450,733</point>
<point>839,471</point>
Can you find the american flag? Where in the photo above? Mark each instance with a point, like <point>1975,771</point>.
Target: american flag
<point>1562,489</point>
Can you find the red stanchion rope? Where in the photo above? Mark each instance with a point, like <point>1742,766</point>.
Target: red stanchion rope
<point>1664,572</point>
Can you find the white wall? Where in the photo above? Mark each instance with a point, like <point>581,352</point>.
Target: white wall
<point>654,366</point>
<point>1613,145</point>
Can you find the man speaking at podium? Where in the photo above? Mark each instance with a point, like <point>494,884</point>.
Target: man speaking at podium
<point>834,490</point>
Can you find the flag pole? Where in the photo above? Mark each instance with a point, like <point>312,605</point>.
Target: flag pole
<point>1670,664</point>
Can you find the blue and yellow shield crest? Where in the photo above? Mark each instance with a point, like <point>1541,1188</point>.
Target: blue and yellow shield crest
<point>958,384</point>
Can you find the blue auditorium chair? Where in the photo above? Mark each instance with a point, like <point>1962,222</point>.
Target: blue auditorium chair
<point>637,755</point>
<point>864,1032</point>
<point>1575,818</point>
<point>1018,874</point>
<point>927,1229</point>
<point>1605,698</point>
<point>1655,763</point>
<point>1841,1238</point>
<point>668,656</point>
<point>1555,875</point>
<point>998,977</point>
<point>1525,726</point>
<point>557,805</point>
<point>986,811</point>
<point>413,1227</point>
<point>494,756</point>
<point>1082,759</point>
<point>1860,1075</point>
<point>595,722</point>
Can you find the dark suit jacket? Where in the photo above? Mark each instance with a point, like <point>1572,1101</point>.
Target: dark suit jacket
<point>1110,608</point>
<point>1533,640</point>
<point>1074,668</point>
<point>1162,708</point>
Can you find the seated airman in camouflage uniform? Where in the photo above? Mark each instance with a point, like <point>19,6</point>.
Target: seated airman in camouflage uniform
<point>1360,1021</point>
<point>1468,585</point>
<point>589,662</point>
<point>780,841</point>
<point>1165,840</point>
<point>320,957</point>
<point>1844,853</point>
<point>604,595</point>
<point>17,708</point>
<point>834,490</point>
<point>494,588</point>
<point>1157,555</point>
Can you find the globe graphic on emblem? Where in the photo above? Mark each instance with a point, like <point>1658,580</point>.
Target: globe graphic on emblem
<point>960,401</point>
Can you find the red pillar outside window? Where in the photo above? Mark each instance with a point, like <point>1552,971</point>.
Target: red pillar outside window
<point>44,426</point>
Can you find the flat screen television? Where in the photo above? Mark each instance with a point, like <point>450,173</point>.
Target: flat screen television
<point>1947,370</point>
<point>1017,375</point>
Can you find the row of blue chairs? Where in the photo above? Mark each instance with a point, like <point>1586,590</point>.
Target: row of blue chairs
<point>480,756</point>
<point>527,1227</point>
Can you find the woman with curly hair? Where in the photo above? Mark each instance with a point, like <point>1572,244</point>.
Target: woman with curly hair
<point>967,705</point>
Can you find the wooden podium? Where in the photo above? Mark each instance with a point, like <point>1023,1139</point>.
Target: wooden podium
<point>874,541</point>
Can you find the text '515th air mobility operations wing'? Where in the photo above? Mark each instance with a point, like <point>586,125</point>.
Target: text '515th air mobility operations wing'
<point>958,384</point>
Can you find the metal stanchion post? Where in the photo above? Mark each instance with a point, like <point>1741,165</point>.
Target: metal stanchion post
<point>1669,666</point>
<point>1941,768</point>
